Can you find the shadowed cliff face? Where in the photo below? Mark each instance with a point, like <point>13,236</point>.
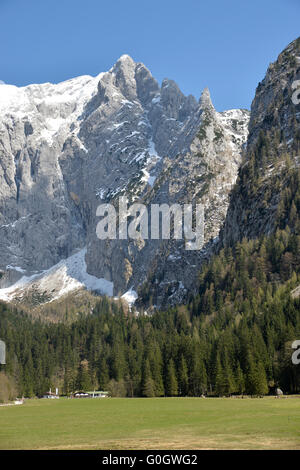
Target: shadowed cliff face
<point>66,148</point>
<point>273,151</point>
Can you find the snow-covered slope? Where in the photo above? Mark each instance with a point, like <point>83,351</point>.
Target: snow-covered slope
<point>66,276</point>
<point>54,107</point>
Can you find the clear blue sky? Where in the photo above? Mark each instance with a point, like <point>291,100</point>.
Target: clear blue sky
<point>223,44</point>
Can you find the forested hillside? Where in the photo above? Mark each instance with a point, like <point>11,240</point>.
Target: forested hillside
<point>234,337</point>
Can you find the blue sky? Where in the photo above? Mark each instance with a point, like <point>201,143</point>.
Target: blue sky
<point>225,45</point>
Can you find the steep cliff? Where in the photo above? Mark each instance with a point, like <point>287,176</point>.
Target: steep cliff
<point>66,148</point>
<point>272,157</point>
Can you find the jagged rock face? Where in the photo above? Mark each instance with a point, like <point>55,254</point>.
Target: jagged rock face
<point>66,148</point>
<point>274,134</point>
<point>204,174</point>
<point>273,108</point>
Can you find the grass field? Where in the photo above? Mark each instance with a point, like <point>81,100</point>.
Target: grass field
<point>159,423</point>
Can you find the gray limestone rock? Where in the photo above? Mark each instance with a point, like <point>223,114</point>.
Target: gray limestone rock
<point>66,148</point>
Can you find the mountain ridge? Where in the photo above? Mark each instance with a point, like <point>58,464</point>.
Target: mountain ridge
<point>72,145</point>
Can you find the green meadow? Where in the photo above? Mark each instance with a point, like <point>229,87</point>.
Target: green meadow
<point>152,423</point>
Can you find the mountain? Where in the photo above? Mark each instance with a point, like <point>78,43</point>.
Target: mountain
<point>68,147</point>
<point>267,177</point>
<point>236,328</point>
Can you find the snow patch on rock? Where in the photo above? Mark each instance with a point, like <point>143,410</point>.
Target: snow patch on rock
<point>68,275</point>
<point>130,296</point>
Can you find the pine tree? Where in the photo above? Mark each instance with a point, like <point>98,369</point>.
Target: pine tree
<point>240,380</point>
<point>103,374</point>
<point>171,380</point>
<point>83,381</point>
<point>256,381</point>
<point>183,379</point>
<point>147,385</point>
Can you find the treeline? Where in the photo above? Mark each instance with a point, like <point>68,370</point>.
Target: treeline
<point>244,347</point>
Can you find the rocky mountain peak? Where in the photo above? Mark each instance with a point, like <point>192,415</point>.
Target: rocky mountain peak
<point>205,100</point>
<point>124,76</point>
<point>147,86</point>
<point>66,148</point>
<point>124,62</point>
<point>272,105</point>
<point>272,153</point>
